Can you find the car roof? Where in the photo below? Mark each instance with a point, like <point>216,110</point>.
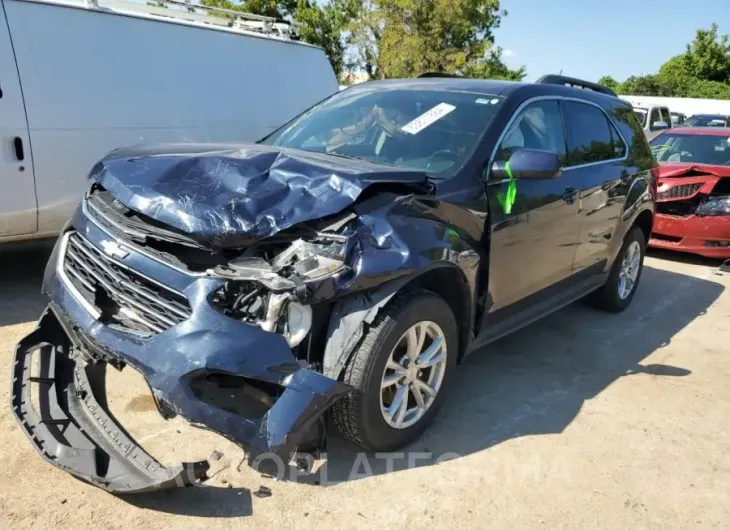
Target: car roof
<point>495,87</point>
<point>707,131</point>
<point>719,116</point>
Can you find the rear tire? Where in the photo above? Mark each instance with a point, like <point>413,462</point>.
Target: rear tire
<point>627,267</point>
<point>364,416</point>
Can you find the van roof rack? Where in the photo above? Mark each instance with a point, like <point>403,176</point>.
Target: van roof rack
<point>200,15</point>
<point>554,79</point>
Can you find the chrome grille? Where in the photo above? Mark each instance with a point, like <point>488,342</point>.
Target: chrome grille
<point>121,297</point>
<point>682,191</point>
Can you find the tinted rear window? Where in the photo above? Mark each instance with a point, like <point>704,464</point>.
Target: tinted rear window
<point>589,135</point>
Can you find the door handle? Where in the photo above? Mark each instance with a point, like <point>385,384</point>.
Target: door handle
<point>570,194</point>
<point>18,148</point>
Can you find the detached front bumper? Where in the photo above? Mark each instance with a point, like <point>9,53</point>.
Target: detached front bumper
<point>705,236</point>
<point>75,430</point>
<point>69,422</point>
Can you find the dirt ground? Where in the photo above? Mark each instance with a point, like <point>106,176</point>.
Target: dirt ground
<point>583,420</point>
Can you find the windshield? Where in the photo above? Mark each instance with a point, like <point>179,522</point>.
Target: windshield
<point>641,114</point>
<point>707,121</point>
<point>428,130</point>
<point>699,148</point>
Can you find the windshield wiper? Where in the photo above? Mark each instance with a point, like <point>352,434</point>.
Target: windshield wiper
<point>342,155</point>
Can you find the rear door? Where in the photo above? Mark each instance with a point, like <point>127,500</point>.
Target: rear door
<point>18,207</point>
<point>597,167</point>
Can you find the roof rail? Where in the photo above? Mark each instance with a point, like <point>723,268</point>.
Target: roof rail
<point>436,74</point>
<point>200,14</point>
<point>553,79</point>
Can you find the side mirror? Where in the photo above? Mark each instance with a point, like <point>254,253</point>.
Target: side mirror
<point>528,164</point>
<point>659,125</point>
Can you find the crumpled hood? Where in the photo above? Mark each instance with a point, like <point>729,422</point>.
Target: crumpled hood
<point>230,195</point>
<point>689,169</point>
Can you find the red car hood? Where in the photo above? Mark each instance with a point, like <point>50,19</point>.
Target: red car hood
<point>689,169</point>
<point>679,181</point>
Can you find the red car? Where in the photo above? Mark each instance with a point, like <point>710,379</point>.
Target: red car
<point>693,191</point>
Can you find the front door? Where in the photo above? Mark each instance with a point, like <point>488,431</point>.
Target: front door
<point>18,207</point>
<point>534,238</point>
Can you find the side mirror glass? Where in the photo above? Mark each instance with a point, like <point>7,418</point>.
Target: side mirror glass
<point>659,125</point>
<point>528,164</point>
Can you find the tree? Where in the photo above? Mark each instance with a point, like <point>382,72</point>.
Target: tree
<point>609,82</point>
<point>708,56</point>
<point>703,71</point>
<point>403,38</point>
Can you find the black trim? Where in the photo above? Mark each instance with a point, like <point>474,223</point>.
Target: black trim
<point>540,304</point>
<point>436,74</point>
<point>552,79</point>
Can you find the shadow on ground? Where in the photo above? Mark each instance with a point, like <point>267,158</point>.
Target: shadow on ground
<point>21,275</point>
<point>536,381</point>
<point>533,382</point>
<point>197,502</point>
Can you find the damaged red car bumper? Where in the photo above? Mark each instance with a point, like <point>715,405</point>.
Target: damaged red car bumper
<point>705,236</point>
<point>679,223</point>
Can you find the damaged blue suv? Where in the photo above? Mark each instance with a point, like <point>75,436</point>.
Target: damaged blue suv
<point>334,273</point>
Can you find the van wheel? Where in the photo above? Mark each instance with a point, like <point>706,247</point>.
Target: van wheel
<point>400,371</point>
<point>620,287</point>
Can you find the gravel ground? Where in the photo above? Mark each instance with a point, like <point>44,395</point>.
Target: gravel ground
<point>583,420</point>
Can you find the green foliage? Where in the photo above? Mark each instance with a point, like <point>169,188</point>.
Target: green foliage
<point>395,38</point>
<point>609,82</point>
<point>703,71</point>
<point>404,38</point>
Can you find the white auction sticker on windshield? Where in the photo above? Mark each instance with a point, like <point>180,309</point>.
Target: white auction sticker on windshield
<point>427,118</point>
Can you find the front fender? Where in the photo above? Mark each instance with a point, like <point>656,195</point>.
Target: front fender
<point>400,242</point>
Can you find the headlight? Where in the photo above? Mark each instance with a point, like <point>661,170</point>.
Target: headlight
<point>715,206</point>
<point>312,260</point>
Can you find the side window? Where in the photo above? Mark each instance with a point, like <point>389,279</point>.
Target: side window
<point>589,136</point>
<point>619,147</point>
<point>666,117</point>
<point>538,126</point>
<point>655,117</point>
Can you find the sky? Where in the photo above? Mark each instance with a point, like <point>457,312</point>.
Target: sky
<point>592,38</point>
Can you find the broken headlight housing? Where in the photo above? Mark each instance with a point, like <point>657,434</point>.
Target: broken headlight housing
<point>715,206</point>
<point>312,260</point>
<point>265,294</point>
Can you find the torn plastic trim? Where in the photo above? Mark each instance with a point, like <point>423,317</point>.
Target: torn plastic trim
<point>348,323</point>
<point>94,448</point>
<point>74,429</point>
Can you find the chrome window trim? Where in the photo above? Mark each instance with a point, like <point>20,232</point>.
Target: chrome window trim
<point>557,98</point>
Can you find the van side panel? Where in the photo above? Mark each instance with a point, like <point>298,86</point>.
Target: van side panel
<point>18,213</point>
<point>95,81</point>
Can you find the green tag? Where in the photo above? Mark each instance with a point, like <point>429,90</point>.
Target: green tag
<point>507,200</point>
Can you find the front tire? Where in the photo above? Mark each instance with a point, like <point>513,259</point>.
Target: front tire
<point>620,287</point>
<point>401,372</point>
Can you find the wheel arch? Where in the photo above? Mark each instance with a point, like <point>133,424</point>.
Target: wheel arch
<point>352,314</point>
<point>645,221</point>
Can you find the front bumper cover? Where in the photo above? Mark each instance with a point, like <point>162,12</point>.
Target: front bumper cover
<point>75,430</point>
<point>693,234</point>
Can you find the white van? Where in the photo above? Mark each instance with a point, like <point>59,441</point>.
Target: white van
<point>78,79</point>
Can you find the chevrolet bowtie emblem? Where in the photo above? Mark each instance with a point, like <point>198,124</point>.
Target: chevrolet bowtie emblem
<point>114,250</point>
